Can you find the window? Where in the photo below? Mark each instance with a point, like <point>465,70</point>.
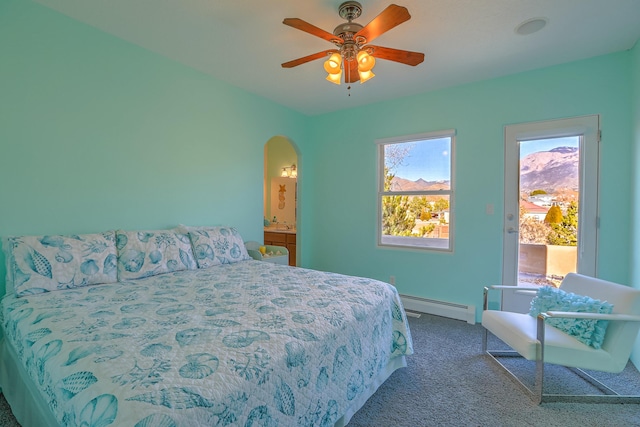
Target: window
<point>415,191</point>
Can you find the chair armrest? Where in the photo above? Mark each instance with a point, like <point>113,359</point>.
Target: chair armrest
<point>524,290</point>
<point>255,254</point>
<point>519,288</point>
<point>594,316</point>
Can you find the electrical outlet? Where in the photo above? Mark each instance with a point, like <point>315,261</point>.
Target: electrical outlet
<point>392,280</point>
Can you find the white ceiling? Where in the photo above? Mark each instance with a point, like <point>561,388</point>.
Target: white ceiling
<point>243,42</point>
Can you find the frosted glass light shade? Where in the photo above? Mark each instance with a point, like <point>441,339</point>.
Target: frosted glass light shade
<point>365,75</point>
<point>332,65</point>
<point>335,78</point>
<point>366,62</point>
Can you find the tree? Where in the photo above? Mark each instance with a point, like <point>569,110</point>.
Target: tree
<point>532,230</point>
<point>420,208</point>
<point>397,218</point>
<point>440,205</point>
<point>554,216</point>
<point>536,192</point>
<point>565,232</point>
<point>426,230</point>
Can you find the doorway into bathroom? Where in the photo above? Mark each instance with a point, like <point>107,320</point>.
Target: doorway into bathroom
<point>281,195</point>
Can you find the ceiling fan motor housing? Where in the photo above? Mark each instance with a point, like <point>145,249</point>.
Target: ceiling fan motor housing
<point>347,30</point>
<point>350,10</point>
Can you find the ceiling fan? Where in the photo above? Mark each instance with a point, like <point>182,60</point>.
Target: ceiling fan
<point>353,54</point>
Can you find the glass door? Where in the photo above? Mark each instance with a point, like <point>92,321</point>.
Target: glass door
<point>551,191</point>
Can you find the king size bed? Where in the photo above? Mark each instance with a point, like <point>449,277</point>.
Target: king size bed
<point>213,339</point>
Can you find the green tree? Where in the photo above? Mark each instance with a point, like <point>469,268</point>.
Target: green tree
<point>397,218</point>
<point>420,208</point>
<point>565,233</point>
<point>440,205</point>
<point>536,192</point>
<point>554,216</point>
<point>426,230</point>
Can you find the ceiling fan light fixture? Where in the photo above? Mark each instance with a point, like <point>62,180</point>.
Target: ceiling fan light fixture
<point>365,75</point>
<point>335,77</point>
<point>366,62</point>
<point>332,65</point>
<point>352,52</point>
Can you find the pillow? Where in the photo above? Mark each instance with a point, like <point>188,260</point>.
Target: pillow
<point>217,245</point>
<point>37,264</point>
<point>150,252</point>
<point>591,332</point>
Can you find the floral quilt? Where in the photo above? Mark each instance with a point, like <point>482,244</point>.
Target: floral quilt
<point>247,344</point>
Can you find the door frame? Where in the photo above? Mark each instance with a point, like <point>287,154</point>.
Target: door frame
<point>588,127</point>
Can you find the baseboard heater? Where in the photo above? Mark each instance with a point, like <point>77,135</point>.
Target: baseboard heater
<point>440,308</point>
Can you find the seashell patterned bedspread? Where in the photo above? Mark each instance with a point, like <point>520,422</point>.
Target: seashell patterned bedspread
<point>248,344</point>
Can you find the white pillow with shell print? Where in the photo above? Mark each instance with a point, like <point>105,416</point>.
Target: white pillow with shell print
<point>150,252</point>
<point>216,245</point>
<point>46,263</point>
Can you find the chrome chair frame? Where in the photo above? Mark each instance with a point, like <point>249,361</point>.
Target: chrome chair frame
<point>537,393</point>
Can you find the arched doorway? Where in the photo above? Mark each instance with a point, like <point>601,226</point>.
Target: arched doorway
<point>281,170</point>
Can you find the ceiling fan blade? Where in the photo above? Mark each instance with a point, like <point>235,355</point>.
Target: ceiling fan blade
<point>311,29</point>
<point>397,55</point>
<point>389,18</point>
<point>350,71</point>
<point>308,58</point>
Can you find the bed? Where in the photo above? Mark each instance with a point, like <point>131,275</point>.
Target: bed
<point>243,343</point>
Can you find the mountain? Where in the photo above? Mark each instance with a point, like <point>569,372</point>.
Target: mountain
<point>552,171</point>
<point>401,184</point>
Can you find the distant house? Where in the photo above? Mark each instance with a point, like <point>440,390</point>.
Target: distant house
<point>531,210</point>
<point>542,199</point>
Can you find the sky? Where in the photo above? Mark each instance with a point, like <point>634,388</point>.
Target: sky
<point>431,159</point>
<point>528,147</point>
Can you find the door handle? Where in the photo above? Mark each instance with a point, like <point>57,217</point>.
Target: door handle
<point>511,230</point>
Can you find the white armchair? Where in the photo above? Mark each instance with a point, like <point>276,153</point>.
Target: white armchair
<point>534,339</point>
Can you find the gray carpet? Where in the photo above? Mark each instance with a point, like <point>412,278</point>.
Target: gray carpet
<point>448,382</point>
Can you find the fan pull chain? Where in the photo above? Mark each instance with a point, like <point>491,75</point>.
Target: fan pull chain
<point>349,77</point>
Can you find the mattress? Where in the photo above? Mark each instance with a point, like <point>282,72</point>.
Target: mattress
<point>249,344</point>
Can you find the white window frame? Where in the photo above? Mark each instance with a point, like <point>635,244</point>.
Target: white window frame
<point>416,242</point>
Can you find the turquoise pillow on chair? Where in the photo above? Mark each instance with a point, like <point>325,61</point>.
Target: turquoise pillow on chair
<point>591,332</point>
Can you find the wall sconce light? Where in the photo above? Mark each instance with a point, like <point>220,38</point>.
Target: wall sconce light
<point>289,172</point>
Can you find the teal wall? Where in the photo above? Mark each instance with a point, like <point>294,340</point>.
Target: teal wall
<point>635,252</point>
<point>98,134</point>
<point>342,212</point>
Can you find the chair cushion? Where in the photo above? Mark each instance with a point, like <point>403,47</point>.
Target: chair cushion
<point>518,331</point>
<point>590,332</point>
